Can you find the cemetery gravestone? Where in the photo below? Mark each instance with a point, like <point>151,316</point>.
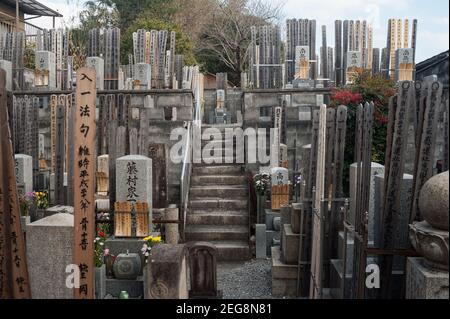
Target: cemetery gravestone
<point>167,277</point>
<point>24,173</point>
<point>50,250</point>
<point>203,270</point>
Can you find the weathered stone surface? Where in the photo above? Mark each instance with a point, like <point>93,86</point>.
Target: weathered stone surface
<point>172,233</point>
<point>24,172</point>
<point>431,243</point>
<point>261,241</point>
<point>49,251</point>
<point>401,229</point>
<point>295,217</point>
<point>100,282</point>
<point>423,282</point>
<point>289,242</point>
<point>98,64</point>
<point>376,170</point>
<point>433,201</point>
<point>167,277</point>
<point>127,266</point>
<point>203,270</point>
<point>134,179</point>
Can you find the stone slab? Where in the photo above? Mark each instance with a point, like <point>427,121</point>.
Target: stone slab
<point>49,251</point>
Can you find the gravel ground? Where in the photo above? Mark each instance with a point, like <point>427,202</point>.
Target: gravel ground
<point>245,280</point>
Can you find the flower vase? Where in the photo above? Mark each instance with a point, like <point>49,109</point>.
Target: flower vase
<point>100,282</point>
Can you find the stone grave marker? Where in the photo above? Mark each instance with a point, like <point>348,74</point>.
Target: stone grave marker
<point>167,274</point>
<point>24,173</point>
<point>203,270</point>
<point>50,248</point>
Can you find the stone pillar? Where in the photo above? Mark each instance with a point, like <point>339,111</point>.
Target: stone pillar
<point>172,233</point>
<point>98,64</point>
<point>260,241</point>
<point>24,173</point>
<point>49,251</point>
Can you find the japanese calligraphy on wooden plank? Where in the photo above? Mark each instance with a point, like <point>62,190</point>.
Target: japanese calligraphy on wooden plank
<point>84,181</point>
<point>60,150</point>
<point>122,219</point>
<point>53,105</point>
<point>14,281</point>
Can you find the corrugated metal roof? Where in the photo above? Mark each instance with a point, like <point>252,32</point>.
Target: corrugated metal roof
<point>33,7</point>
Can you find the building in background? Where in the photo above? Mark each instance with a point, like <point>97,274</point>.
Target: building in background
<point>15,15</point>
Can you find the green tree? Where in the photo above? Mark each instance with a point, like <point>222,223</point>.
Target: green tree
<point>129,10</point>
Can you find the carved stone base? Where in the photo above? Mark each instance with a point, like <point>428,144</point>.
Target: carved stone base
<point>425,282</point>
<point>430,243</point>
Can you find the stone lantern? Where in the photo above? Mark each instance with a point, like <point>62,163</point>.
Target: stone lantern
<point>427,277</point>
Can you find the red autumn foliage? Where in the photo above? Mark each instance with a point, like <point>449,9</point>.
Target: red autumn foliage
<point>346,97</point>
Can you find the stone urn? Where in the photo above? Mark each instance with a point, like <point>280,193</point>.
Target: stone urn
<point>127,266</point>
<point>430,237</point>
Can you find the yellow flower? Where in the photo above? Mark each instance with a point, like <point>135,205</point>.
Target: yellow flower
<point>157,239</point>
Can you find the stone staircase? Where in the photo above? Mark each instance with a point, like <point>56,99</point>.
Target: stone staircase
<point>218,207</point>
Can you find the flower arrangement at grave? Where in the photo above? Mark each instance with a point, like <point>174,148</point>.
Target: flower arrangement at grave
<point>100,253</point>
<point>262,183</point>
<point>298,178</point>
<point>149,243</point>
<point>25,202</point>
<point>42,199</point>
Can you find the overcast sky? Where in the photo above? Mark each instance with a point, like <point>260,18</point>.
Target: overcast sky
<point>433,25</point>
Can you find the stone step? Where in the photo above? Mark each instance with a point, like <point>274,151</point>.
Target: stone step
<point>217,170</point>
<point>222,160</point>
<point>218,191</point>
<point>232,250</point>
<point>218,203</point>
<point>214,217</point>
<point>216,233</point>
<point>218,141</point>
<point>204,180</point>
